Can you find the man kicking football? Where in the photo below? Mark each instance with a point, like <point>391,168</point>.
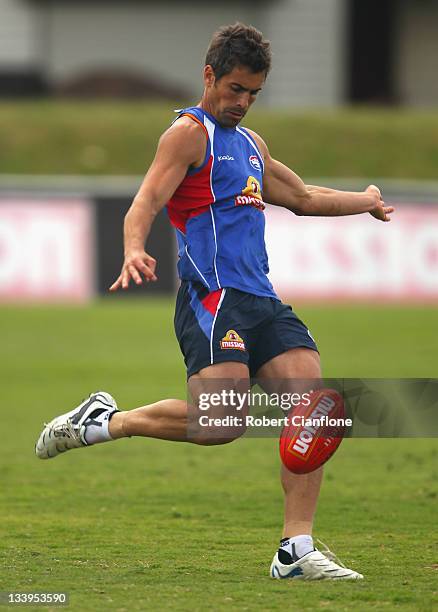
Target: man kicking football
<point>216,178</point>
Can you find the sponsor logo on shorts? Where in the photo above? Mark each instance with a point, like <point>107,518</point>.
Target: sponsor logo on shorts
<point>255,162</point>
<point>232,340</point>
<point>251,195</point>
<point>225,158</point>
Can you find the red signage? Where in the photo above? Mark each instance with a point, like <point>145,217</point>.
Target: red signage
<point>46,250</point>
<point>355,257</point>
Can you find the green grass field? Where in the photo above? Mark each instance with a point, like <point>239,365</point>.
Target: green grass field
<point>149,525</point>
<point>54,137</point>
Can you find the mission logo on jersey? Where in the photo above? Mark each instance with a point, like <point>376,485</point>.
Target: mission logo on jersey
<point>251,195</point>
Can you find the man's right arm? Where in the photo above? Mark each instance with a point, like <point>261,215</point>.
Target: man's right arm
<point>181,146</point>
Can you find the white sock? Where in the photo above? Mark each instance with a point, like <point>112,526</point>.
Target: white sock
<point>298,546</point>
<point>96,429</point>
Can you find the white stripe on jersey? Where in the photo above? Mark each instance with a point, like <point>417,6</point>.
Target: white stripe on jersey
<point>210,129</point>
<point>253,144</point>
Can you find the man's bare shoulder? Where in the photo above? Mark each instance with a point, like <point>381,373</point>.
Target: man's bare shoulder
<point>185,127</point>
<point>186,138</point>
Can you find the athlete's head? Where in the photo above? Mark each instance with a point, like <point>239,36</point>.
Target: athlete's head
<point>236,66</point>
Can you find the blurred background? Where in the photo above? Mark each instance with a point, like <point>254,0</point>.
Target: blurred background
<point>86,88</point>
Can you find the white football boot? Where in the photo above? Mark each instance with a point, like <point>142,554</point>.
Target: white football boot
<point>316,565</point>
<point>69,430</point>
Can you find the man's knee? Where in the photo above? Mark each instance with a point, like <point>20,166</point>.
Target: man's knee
<point>209,431</point>
<point>213,439</point>
<point>296,364</point>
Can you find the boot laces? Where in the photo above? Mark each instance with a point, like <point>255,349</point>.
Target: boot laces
<point>329,554</point>
<point>66,429</point>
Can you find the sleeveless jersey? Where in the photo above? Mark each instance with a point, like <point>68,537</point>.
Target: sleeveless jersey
<point>217,212</point>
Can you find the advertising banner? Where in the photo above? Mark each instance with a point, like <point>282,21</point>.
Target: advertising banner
<point>46,250</point>
<point>355,257</point>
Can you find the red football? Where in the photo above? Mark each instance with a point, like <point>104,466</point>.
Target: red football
<point>304,445</point>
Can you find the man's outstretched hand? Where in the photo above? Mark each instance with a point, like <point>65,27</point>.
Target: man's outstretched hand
<point>136,266</point>
<point>380,211</point>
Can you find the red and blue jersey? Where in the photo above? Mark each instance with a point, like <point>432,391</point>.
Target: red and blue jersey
<point>218,213</point>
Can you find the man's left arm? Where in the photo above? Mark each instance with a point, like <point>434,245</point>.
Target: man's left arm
<point>282,187</point>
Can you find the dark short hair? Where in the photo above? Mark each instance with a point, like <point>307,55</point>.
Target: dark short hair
<point>238,45</point>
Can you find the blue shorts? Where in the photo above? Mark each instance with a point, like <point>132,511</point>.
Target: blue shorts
<point>231,325</point>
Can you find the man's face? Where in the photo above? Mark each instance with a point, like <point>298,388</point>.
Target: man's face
<point>230,97</point>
